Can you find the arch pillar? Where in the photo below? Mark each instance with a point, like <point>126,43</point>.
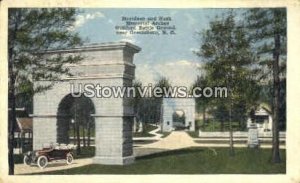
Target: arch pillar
<point>107,64</point>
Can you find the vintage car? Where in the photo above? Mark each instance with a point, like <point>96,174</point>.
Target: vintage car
<point>50,153</point>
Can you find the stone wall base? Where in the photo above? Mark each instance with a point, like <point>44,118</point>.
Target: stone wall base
<point>113,160</point>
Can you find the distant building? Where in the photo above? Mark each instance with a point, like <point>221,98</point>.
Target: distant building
<point>23,131</point>
<point>262,118</point>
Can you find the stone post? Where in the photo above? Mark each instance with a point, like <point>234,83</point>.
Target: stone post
<point>253,141</point>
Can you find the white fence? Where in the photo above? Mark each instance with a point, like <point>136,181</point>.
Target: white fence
<point>237,134</point>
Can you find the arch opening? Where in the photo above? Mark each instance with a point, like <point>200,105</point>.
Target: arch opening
<point>178,118</point>
<point>75,123</point>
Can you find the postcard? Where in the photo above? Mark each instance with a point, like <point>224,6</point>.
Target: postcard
<point>149,91</point>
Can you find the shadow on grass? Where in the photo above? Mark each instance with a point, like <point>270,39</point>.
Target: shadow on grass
<point>170,153</point>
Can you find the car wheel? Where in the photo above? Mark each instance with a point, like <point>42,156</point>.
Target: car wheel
<point>69,158</point>
<point>42,162</point>
<point>26,160</point>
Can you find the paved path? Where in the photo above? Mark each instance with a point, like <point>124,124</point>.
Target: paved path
<point>61,165</point>
<point>155,132</point>
<point>176,140</point>
<point>157,136</point>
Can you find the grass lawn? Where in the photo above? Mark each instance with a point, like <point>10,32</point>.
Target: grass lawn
<point>86,152</point>
<point>193,134</point>
<point>145,133</point>
<point>71,132</point>
<point>193,161</point>
<point>215,126</point>
<point>164,134</point>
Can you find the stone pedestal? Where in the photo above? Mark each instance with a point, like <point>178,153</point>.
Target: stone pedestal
<point>253,141</point>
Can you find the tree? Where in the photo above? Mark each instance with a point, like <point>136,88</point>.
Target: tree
<point>163,82</point>
<point>226,51</point>
<point>136,103</point>
<point>31,33</point>
<point>148,109</point>
<point>268,32</point>
<point>80,111</point>
<point>202,102</point>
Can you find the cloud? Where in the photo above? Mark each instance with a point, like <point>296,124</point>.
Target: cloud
<point>180,73</point>
<point>132,40</point>
<point>183,63</point>
<point>83,18</point>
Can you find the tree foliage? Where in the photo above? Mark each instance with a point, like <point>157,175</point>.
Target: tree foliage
<point>148,108</point>
<point>32,33</point>
<point>228,61</point>
<point>267,28</point>
<point>201,103</point>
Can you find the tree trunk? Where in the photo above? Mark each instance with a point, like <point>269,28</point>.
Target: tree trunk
<point>78,137</point>
<point>22,141</point>
<point>83,135</point>
<point>276,85</point>
<point>12,99</point>
<point>74,133</point>
<point>89,134</point>
<point>143,126</point>
<point>134,125</point>
<point>204,115</point>
<point>18,143</point>
<point>222,125</point>
<point>11,124</point>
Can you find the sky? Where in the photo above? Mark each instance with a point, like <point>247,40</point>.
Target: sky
<point>161,55</point>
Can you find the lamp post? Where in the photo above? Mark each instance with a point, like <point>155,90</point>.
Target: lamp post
<point>231,152</point>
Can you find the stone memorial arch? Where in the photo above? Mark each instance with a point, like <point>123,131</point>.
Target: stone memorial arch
<point>184,108</point>
<point>107,64</point>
